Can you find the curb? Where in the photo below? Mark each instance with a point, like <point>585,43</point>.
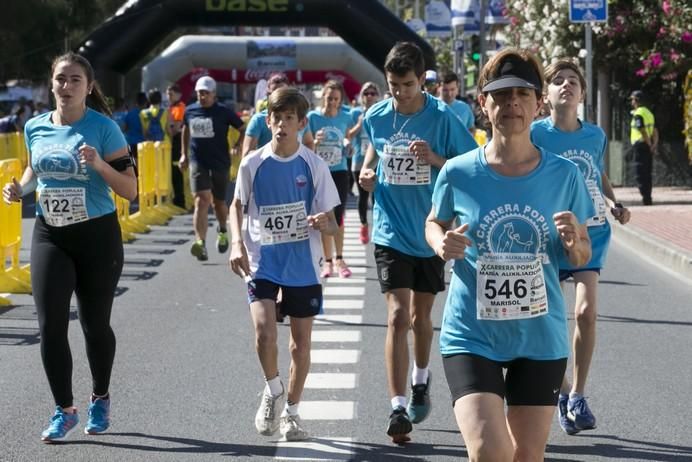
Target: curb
<point>665,253</point>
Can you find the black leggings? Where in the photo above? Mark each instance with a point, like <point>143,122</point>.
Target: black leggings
<point>363,197</point>
<point>341,181</point>
<point>85,258</point>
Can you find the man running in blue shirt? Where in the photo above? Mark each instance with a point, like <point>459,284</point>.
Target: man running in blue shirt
<point>412,135</point>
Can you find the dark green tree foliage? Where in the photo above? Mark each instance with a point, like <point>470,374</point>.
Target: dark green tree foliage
<point>33,32</point>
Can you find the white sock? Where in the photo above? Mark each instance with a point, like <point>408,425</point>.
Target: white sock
<point>274,387</point>
<point>573,395</point>
<point>419,376</point>
<point>398,401</point>
<point>290,409</point>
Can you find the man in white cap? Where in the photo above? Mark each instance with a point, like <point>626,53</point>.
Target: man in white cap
<point>205,150</point>
<point>431,84</point>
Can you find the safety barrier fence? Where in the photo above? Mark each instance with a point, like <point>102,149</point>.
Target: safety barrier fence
<point>13,277</point>
<point>12,147</point>
<point>156,207</point>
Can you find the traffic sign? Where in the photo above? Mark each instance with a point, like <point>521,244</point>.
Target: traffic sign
<point>588,11</point>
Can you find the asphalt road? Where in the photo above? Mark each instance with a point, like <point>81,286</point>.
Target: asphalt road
<point>186,381</point>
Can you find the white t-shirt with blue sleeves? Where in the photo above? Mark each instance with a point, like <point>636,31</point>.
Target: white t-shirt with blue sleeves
<point>335,128</point>
<point>69,192</point>
<point>504,299</point>
<point>404,186</point>
<point>279,194</point>
<point>585,147</point>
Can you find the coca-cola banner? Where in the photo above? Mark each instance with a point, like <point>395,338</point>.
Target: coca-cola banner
<point>251,76</point>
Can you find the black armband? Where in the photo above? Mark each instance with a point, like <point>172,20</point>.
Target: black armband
<point>123,163</point>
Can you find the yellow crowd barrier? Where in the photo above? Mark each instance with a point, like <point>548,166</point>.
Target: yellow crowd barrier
<point>13,277</point>
<point>154,185</point>
<point>12,147</point>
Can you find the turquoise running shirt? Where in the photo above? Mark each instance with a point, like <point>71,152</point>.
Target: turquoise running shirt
<point>504,301</point>
<point>585,147</point>
<point>69,192</point>
<point>404,186</point>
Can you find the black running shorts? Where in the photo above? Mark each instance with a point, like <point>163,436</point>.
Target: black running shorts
<point>528,382</point>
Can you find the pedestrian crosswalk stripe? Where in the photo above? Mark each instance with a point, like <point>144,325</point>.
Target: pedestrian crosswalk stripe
<point>338,319</point>
<point>327,410</point>
<point>315,449</point>
<point>344,304</point>
<point>354,253</point>
<point>331,291</point>
<point>336,336</point>
<point>332,356</point>
<point>330,380</point>
<point>347,281</point>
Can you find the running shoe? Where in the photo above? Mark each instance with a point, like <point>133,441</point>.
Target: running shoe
<point>399,423</point>
<point>199,250</point>
<point>344,270</point>
<point>267,417</point>
<point>579,413</point>
<point>99,416</point>
<point>291,428</point>
<point>420,405</point>
<point>221,241</point>
<point>60,425</point>
<point>364,234</point>
<point>566,424</point>
<point>327,269</point>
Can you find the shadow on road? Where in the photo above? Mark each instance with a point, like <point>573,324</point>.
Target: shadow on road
<point>622,449</point>
<point>334,449</point>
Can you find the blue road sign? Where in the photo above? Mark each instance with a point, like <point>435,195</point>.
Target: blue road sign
<point>588,11</point>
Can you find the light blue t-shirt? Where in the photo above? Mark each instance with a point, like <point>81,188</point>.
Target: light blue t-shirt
<point>279,194</point>
<point>499,304</point>
<point>63,183</point>
<point>585,147</point>
<point>404,186</point>
<point>464,112</point>
<point>360,141</point>
<point>335,128</point>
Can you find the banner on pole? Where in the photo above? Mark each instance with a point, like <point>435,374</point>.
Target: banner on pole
<point>466,13</point>
<point>438,18</point>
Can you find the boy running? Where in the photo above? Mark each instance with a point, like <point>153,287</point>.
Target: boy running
<point>288,194</point>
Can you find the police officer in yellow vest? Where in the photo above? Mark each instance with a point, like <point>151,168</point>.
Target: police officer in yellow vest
<point>644,139</point>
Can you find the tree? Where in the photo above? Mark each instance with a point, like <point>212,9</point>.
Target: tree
<point>33,32</point>
<point>646,44</point>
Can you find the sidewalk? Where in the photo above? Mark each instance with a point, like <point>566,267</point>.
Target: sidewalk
<point>662,231</point>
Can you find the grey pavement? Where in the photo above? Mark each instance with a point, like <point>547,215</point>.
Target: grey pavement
<point>186,381</point>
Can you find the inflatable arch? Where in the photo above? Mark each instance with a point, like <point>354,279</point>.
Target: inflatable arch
<point>237,60</point>
<point>125,38</point>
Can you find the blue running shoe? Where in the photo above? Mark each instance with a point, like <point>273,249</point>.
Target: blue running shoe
<point>419,407</point>
<point>99,416</point>
<point>566,424</point>
<point>579,413</point>
<point>60,425</point>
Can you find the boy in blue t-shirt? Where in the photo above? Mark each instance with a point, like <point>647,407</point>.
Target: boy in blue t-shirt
<point>584,144</point>
<point>288,195</point>
<point>413,134</point>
